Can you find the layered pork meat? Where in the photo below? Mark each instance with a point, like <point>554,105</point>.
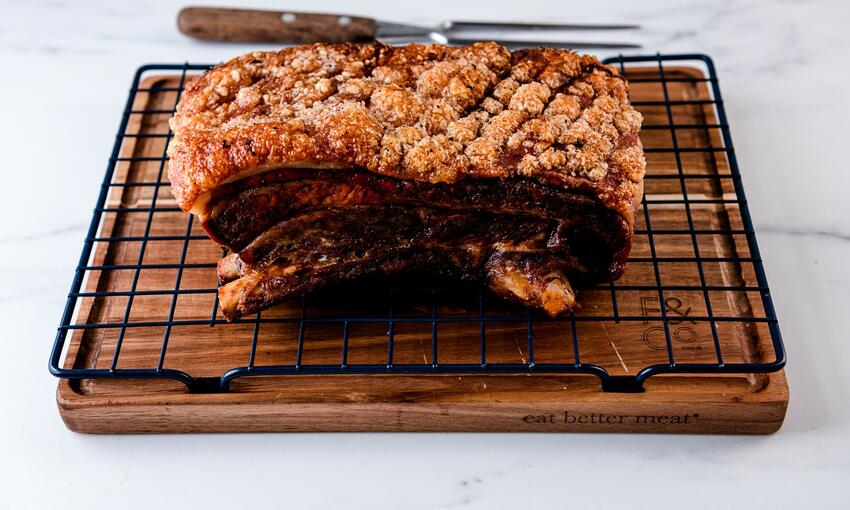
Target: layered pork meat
<point>292,230</point>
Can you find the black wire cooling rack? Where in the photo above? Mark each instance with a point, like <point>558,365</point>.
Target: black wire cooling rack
<point>654,302</point>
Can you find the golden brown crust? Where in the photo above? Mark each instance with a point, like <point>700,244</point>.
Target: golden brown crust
<point>424,112</point>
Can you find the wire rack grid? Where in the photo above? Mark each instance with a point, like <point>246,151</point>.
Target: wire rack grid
<point>733,317</point>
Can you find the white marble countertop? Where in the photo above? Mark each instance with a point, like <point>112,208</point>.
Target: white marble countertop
<point>782,71</point>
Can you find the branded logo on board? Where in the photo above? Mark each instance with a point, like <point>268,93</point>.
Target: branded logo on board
<point>680,327</point>
<point>571,418</point>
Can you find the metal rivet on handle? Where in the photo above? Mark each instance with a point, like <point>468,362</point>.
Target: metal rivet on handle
<point>343,20</point>
<point>287,17</point>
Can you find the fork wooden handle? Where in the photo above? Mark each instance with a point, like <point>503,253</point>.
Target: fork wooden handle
<point>244,25</point>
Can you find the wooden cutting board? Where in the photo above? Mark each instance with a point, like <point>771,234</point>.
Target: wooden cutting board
<point>745,404</point>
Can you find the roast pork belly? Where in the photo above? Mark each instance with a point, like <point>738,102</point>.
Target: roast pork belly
<point>324,163</point>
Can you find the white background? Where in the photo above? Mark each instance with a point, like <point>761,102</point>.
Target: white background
<point>65,68</point>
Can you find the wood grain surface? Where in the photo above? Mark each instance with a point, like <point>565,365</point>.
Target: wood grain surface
<point>747,404</point>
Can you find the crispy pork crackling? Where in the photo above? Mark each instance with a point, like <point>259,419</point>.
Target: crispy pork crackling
<point>329,162</point>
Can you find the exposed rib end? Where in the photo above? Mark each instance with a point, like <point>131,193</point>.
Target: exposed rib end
<point>230,296</point>
<point>530,282</point>
<point>229,268</point>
